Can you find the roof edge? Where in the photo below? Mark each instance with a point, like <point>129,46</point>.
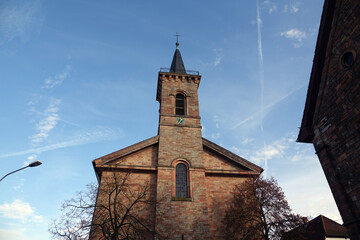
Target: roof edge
<point>232,156</point>
<point>306,133</point>
<point>127,150</point>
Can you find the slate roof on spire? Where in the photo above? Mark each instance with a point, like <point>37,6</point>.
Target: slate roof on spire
<point>177,65</point>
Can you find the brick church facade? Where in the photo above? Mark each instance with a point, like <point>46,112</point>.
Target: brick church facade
<point>331,120</point>
<point>190,178</point>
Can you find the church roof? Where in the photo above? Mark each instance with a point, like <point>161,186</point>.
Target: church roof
<point>222,151</point>
<point>108,160</point>
<point>177,64</point>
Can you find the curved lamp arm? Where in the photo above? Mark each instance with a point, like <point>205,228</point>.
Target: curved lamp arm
<point>33,164</point>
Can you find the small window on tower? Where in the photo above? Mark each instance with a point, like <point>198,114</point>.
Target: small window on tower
<point>180,104</point>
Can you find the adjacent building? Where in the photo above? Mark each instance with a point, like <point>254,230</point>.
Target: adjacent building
<point>319,228</point>
<point>331,120</point>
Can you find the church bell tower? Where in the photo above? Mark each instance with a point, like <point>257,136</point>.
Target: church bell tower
<point>179,119</point>
<point>181,172</point>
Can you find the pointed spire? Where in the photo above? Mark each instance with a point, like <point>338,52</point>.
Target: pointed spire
<point>177,65</point>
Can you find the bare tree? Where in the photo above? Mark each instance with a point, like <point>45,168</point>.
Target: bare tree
<point>116,210</point>
<point>76,214</point>
<point>259,211</point>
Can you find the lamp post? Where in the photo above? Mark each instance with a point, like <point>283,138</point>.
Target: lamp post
<point>33,164</point>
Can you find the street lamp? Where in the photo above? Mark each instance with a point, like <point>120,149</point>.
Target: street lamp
<point>33,164</point>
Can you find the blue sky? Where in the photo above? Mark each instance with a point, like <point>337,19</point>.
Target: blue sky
<point>78,81</point>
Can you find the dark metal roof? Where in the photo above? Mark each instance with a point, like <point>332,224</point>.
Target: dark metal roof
<point>177,65</point>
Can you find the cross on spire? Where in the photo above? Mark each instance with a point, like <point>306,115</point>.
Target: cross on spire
<point>177,37</point>
<point>177,40</point>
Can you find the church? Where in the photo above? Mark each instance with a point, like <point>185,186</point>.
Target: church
<point>182,183</point>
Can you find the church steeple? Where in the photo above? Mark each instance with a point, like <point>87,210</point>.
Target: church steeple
<point>177,65</point>
<point>177,93</point>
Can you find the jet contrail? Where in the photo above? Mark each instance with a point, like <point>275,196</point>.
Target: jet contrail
<point>261,72</point>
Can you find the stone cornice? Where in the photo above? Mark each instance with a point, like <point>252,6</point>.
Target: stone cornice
<point>167,76</point>
<point>184,116</point>
<point>177,125</point>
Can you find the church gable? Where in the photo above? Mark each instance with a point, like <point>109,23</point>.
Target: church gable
<point>214,161</point>
<point>141,156</point>
<point>217,158</point>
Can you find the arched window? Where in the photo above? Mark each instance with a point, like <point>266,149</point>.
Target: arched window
<point>181,181</point>
<point>180,104</point>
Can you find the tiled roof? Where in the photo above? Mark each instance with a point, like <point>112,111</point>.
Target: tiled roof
<point>332,228</point>
<point>318,229</point>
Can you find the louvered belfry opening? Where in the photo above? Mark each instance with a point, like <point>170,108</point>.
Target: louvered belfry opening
<point>180,104</point>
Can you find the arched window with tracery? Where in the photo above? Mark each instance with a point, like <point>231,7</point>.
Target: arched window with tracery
<point>180,104</point>
<point>181,181</point>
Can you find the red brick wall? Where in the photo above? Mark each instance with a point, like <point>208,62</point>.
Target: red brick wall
<point>216,163</point>
<point>219,191</point>
<point>175,218</point>
<point>180,142</point>
<point>144,157</point>
<point>219,195</point>
<point>337,116</point>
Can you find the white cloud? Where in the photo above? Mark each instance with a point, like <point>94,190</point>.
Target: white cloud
<point>235,149</point>
<point>47,123</point>
<point>98,135</point>
<point>17,20</point>
<point>52,82</point>
<point>218,60</point>
<point>270,6</point>
<point>292,7</point>
<point>247,140</point>
<point>50,116</point>
<point>303,157</point>
<point>215,136</point>
<point>21,211</point>
<point>295,34</point>
<point>268,152</point>
<point>30,159</point>
<point>20,184</point>
<point>13,234</point>
<point>218,56</point>
<point>274,150</point>
<point>216,119</point>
